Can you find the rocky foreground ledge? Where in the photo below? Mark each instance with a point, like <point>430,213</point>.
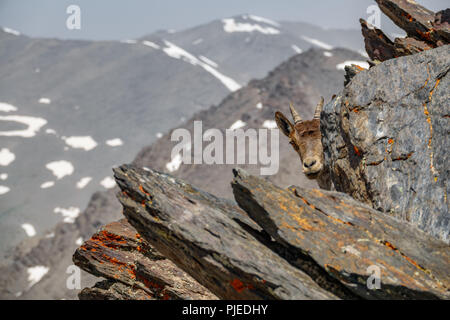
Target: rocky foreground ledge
<point>275,244</point>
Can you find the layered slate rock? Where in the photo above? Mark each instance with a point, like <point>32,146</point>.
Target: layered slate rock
<point>385,139</point>
<point>279,243</point>
<point>347,238</point>
<point>211,239</point>
<point>425,30</point>
<point>134,270</point>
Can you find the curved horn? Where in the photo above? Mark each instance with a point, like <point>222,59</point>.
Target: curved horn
<point>295,115</point>
<point>318,109</point>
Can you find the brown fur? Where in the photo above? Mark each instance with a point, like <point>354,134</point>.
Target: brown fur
<point>306,139</point>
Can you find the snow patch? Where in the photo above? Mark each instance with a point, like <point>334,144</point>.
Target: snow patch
<point>6,157</point>
<point>318,43</point>
<point>6,107</point>
<point>4,189</point>
<point>83,182</point>
<point>296,49</point>
<point>69,214</point>
<point>50,131</point>
<point>150,44</point>
<point>47,184</point>
<point>3,176</point>
<point>363,64</point>
<point>11,31</point>
<point>208,61</point>
<point>114,142</point>
<point>197,41</point>
<point>327,54</point>
<point>45,101</point>
<point>262,19</point>
<point>34,125</point>
<point>259,105</point>
<point>159,135</point>
<point>60,168</point>
<point>82,142</point>
<point>29,229</point>
<point>35,274</point>
<point>270,124</point>
<point>238,124</point>
<point>176,52</point>
<point>229,25</point>
<point>174,164</point>
<point>108,182</point>
<point>79,241</point>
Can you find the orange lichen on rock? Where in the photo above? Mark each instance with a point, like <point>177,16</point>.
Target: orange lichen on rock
<point>239,286</point>
<point>143,191</point>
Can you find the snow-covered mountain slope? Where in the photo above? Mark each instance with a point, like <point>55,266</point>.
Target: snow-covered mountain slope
<point>71,110</point>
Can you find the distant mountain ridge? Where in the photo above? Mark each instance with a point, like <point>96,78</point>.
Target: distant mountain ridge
<point>301,79</point>
<point>76,96</point>
<point>88,106</point>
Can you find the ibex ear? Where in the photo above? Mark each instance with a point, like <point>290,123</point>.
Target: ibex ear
<point>283,123</point>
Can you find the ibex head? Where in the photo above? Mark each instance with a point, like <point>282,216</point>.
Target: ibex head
<point>305,138</point>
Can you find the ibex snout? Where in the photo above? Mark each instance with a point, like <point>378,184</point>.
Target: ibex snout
<point>312,166</point>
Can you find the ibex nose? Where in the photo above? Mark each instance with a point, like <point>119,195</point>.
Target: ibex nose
<point>309,163</point>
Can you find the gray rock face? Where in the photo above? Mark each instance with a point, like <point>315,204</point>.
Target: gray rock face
<point>385,139</point>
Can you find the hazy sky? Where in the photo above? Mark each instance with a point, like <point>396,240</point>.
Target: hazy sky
<point>125,19</point>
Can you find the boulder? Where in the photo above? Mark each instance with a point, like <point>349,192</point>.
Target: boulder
<point>134,269</point>
<point>275,243</point>
<point>385,139</point>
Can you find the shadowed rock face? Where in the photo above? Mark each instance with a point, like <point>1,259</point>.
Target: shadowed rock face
<point>278,243</point>
<point>385,139</point>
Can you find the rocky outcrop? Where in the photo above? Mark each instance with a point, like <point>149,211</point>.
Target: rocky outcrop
<point>134,269</point>
<point>278,243</point>
<point>425,30</point>
<point>385,139</point>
